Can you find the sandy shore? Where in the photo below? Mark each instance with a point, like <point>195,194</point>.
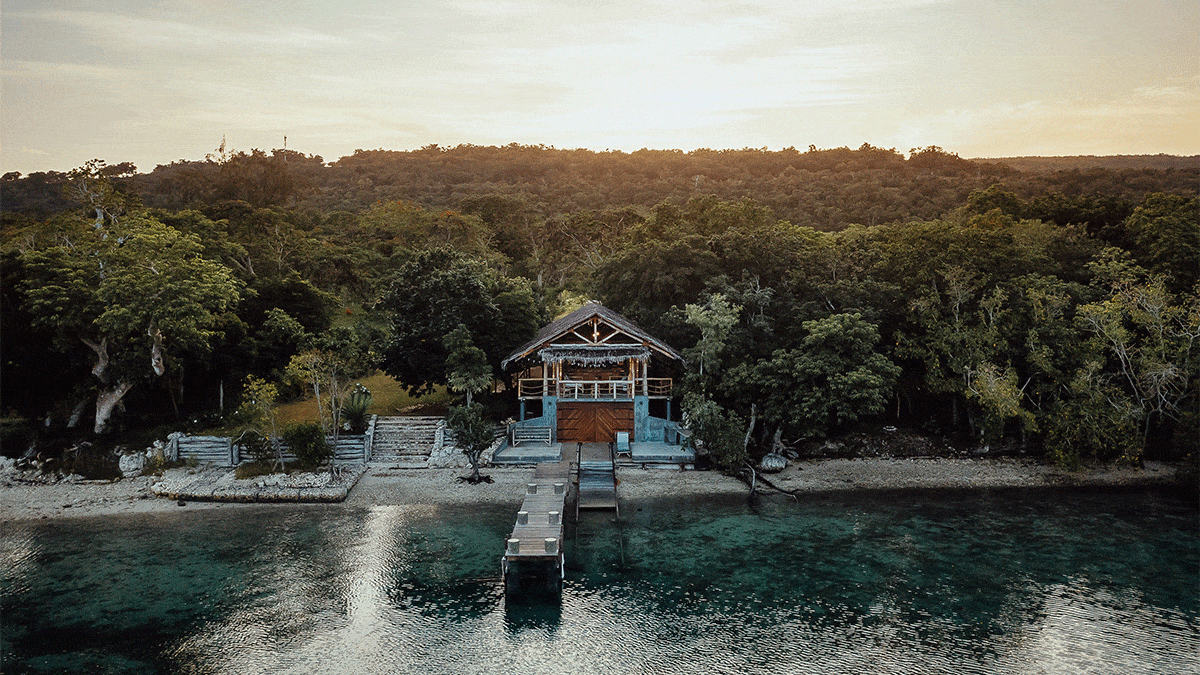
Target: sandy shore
<point>384,486</point>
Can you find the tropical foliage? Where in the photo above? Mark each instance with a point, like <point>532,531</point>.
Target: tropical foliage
<point>1051,307</point>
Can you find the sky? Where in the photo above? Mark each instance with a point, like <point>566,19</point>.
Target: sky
<point>154,81</point>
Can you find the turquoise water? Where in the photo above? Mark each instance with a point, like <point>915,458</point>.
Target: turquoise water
<point>947,582</point>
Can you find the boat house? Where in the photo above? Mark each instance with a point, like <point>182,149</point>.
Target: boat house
<point>594,376</point>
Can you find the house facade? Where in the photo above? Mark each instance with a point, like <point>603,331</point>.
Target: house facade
<point>592,374</point>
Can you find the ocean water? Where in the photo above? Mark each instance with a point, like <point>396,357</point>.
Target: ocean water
<point>1014,581</point>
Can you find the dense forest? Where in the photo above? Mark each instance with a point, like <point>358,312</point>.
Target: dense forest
<point>1054,309</point>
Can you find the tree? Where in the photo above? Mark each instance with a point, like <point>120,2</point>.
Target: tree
<point>136,293</point>
<point>275,343</point>
<point>715,318</point>
<point>253,177</point>
<point>717,431</point>
<point>1146,346</point>
<point>995,197</point>
<point>473,433</point>
<point>1167,231</point>
<point>958,328</point>
<point>467,368</point>
<point>91,185</point>
<point>404,225</point>
<point>328,376</point>
<point>1043,353</point>
<point>512,220</point>
<point>260,415</point>
<point>436,292</point>
<point>999,396</point>
<point>834,377</point>
<point>648,277</point>
<point>36,376</point>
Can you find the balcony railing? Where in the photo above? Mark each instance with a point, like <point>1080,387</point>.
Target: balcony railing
<point>595,390</point>
<point>609,390</point>
<point>658,387</point>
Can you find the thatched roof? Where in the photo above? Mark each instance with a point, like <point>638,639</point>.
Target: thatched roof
<point>591,354</point>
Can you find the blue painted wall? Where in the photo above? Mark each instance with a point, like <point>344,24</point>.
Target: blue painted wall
<point>641,419</point>
<point>550,414</point>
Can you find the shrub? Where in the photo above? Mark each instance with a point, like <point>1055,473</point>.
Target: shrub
<point>257,446</point>
<point>716,431</point>
<point>308,444</point>
<point>156,465</point>
<point>354,409</point>
<point>473,433</point>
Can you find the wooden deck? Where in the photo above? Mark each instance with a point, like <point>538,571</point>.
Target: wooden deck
<point>533,555</point>
<point>538,506</point>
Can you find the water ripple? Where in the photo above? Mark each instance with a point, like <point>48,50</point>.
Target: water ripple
<point>991,586</point>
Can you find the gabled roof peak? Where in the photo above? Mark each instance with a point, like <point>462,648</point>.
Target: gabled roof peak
<point>591,309</point>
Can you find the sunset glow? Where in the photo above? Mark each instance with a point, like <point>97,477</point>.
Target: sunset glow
<point>152,82</point>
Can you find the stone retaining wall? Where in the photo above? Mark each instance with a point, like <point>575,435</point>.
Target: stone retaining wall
<point>222,485</point>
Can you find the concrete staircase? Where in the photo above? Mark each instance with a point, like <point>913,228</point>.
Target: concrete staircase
<point>406,442</point>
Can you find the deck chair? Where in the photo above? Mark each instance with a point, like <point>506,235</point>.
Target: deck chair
<point>623,447</point>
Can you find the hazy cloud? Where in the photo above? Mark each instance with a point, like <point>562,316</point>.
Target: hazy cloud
<point>153,81</point>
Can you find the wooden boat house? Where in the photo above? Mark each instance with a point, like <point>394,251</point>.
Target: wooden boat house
<point>591,377</point>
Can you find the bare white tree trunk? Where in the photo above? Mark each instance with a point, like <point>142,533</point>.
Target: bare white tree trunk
<point>101,365</point>
<point>110,394</point>
<point>746,450</point>
<point>106,401</point>
<point>156,357</point>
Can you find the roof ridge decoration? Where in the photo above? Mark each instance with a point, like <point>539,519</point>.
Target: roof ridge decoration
<point>563,326</point>
<point>594,355</point>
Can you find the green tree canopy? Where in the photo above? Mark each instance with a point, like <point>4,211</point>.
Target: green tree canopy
<point>467,369</point>
<point>834,377</point>
<point>434,294</point>
<point>715,318</point>
<point>1167,233</point>
<point>136,293</point>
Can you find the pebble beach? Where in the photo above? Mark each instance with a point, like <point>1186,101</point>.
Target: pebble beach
<point>24,497</point>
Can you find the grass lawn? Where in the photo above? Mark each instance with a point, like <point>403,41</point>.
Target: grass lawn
<point>387,398</point>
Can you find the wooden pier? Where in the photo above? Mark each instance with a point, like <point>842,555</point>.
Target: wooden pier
<point>533,558</point>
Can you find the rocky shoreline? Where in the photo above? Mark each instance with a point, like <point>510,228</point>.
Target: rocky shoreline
<point>221,485</point>
<point>889,473</point>
<point>27,496</point>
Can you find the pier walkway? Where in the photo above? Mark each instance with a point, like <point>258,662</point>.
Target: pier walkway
<point>533,559</point>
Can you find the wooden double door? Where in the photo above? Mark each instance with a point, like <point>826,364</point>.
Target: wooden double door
<point>593,422</point>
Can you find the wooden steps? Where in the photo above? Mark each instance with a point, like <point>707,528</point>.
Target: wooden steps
<point>597,486</point>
